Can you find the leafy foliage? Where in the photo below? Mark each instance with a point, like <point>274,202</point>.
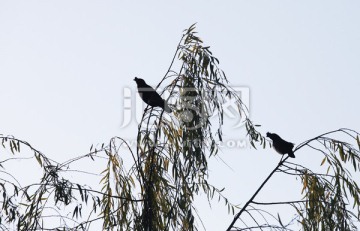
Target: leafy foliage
<point>328,195</point>
<point>168,168</point>
<point>175,151</point>
<point>330,200</point>
<point>153,186</point>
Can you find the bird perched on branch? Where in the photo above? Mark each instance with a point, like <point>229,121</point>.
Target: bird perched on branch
<point>280,145</point>
<point>150,96</point>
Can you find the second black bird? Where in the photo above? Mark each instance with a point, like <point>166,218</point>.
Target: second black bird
<point>150,96</point>
<point>280,145</point>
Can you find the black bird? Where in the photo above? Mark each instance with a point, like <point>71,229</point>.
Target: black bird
<point>280,145</point>
<point>150,96</point>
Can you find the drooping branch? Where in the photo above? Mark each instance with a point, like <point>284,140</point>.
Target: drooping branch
<point>323,191</point>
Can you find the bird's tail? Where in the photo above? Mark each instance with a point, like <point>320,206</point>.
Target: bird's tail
<point>291,154</point>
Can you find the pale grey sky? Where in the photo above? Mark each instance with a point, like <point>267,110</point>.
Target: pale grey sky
<point>63,65</point>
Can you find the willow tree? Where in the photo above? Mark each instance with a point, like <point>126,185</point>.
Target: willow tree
<point>156,190</point>
<point>331,199</point>
<point>153,186</point>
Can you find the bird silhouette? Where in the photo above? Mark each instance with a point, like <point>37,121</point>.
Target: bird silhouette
<point>150,96</point>
<point>280,145</point>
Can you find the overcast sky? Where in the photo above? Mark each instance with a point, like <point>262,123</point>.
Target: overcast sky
<point>64,65</point>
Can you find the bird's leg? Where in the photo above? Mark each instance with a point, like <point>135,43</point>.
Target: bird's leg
<point>282,156</point>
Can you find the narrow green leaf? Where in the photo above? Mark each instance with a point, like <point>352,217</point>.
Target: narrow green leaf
<point>38,158</point>
<point>323,161</point>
